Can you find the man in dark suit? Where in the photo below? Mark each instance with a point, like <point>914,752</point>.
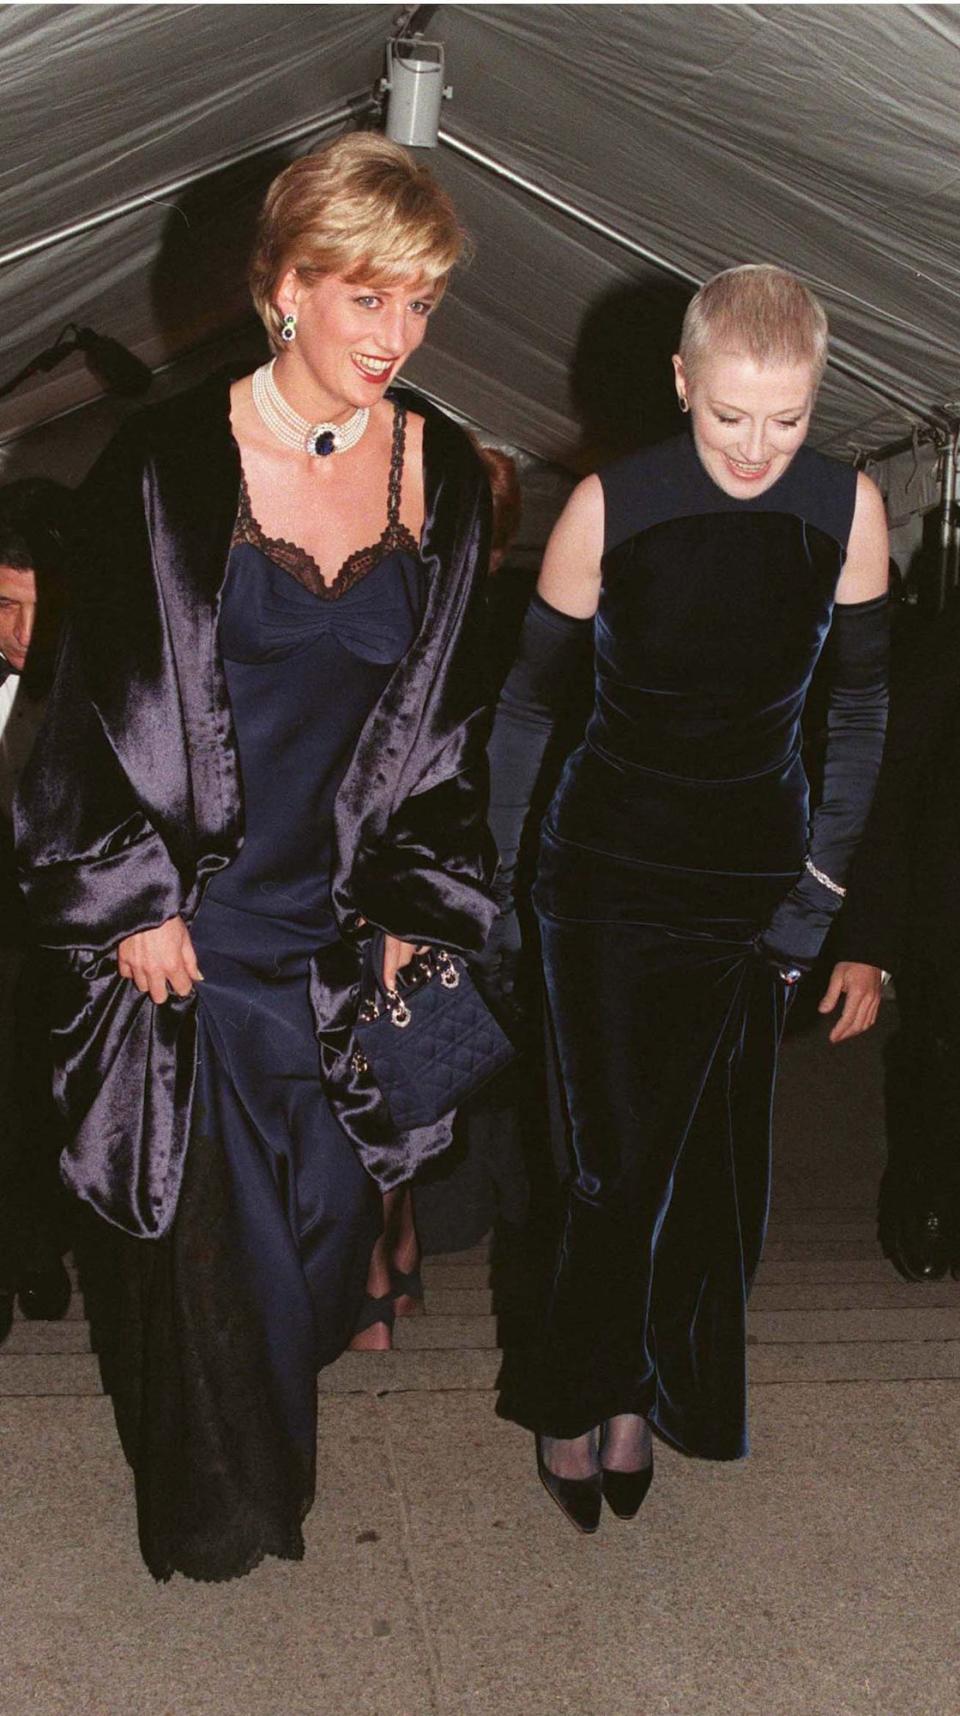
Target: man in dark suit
<point>902,914</point>
<point>34,527</point>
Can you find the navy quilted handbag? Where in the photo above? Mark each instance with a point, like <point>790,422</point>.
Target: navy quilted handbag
<point>429,1043</point>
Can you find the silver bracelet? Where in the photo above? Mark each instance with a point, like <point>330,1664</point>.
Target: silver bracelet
<point>824,880</point>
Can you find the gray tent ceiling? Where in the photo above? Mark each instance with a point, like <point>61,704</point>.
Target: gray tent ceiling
<point>825,137</point>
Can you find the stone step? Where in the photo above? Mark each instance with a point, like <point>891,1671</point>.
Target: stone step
<point>821,1249</point>
<point>444,1275</point>
<point>888,1291</point>
<point>401,1372</point>
<point>48,1373</point>
<point>456,1302</point>
<point>815,1231</point>
<point>866,1361</point>
<point>430,1333</point>
<point>66,1336</point>
<point>77,1374</point>
<point>815,1270</point>
<point>842,1328</point>
<point>844,1296</point>
<point>475,1254</point>
<point>787,1213</point>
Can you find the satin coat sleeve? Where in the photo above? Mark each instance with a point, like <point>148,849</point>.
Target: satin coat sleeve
<point>106,837</point>
<point>93,864</point>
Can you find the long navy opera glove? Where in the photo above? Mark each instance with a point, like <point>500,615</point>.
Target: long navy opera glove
<point>536,695</point>
<point>859,649</point>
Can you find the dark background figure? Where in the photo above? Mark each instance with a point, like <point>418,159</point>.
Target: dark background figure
<point>903,915</point>
<point>35,521</point>
<point>620,379</point>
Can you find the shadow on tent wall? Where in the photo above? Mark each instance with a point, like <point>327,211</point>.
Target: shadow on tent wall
<point>198,282</point>
<point>621,378</point>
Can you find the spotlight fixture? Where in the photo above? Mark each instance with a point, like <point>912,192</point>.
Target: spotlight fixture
<point>415,90</point>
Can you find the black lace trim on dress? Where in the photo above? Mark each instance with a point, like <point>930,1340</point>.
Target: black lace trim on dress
<point>290,557</point>
<point>219,1483</point>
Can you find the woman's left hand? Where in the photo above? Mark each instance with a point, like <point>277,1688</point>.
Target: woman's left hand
<point>396,954</point>
<point>860,986</point>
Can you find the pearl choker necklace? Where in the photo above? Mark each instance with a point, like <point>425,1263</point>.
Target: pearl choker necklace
<point>295,431</point>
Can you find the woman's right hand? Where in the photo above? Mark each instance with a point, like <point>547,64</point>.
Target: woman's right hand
<point>161,959</point>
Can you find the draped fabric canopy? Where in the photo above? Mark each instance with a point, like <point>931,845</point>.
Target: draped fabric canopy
<point>137,141</point>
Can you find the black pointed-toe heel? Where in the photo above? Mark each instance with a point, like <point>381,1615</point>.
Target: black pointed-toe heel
<point>579,1498</point>
<point>626,1492</point>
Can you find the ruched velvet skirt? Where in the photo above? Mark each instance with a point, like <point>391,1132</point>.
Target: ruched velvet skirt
<point>667,1033</point>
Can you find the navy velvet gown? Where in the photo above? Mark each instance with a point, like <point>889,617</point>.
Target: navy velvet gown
<point>677,826</point>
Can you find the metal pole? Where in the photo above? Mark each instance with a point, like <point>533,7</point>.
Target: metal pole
<point>954,455</point>
<point>542,195</point>
<point>946,565</point>
<point>845,365</point>
<point>161,193</point>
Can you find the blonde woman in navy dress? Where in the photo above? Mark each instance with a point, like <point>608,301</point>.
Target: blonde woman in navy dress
<point>682,887</point>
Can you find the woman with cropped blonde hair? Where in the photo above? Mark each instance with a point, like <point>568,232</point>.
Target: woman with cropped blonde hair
<point>761,311</point>
<point>683,888</point>
<point>263,746</point>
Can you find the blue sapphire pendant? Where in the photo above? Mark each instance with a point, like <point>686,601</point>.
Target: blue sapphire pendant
<point>322,439</point>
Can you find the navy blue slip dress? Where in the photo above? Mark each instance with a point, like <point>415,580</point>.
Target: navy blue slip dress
<point>305,663</point>
<point>211,1337</point>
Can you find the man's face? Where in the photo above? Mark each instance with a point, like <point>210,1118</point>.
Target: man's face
<point>18,614</point>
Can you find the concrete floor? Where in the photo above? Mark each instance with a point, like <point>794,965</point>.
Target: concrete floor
<point>815,1579</point>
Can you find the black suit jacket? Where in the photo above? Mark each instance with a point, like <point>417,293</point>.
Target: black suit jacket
<point>13,910</point>
<point>132,797</point>
<point>904,889</point>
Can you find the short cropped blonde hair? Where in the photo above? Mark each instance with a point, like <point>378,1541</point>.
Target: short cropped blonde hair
<point>361,207</point>
<point>760,310</point>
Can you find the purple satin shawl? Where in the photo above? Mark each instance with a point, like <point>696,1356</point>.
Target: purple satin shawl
<point>132,797</point>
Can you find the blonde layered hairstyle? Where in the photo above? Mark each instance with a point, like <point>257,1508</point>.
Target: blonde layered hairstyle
<point>761,311</point>
<point>361,208</point>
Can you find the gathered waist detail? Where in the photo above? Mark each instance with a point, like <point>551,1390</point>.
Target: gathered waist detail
<point>714,735</point>
<point>628,766</point>
<point>752,826</point>
<point>585,884</point>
